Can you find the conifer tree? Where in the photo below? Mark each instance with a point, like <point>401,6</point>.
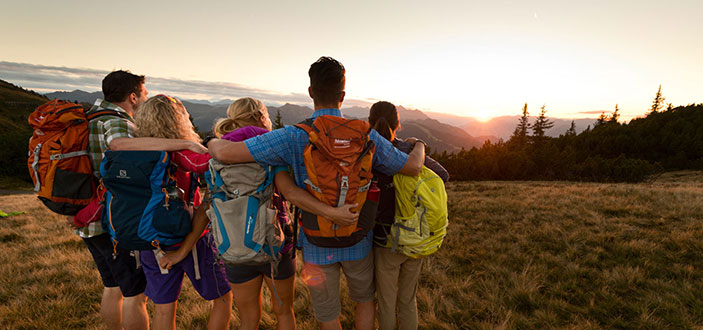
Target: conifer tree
<point>520,133</point>
<point>658,102</point>
<point>542,123</point>
<point>277,123</point>
<point>616,115</point>
<point>572,129</point>
<point>602,119</point>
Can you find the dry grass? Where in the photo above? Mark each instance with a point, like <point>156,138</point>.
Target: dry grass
<point>519,255</point>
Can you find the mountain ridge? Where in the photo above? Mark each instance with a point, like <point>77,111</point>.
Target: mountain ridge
<point>205,113</point>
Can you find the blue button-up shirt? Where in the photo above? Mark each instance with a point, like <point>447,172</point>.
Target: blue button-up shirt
<point>285,146</point>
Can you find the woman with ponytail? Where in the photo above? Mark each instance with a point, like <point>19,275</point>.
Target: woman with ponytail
<point>396,274</point>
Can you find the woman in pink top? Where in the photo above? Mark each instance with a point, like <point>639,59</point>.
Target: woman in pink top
<point>166,117</point>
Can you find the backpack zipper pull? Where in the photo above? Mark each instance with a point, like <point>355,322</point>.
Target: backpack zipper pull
<point>165,205</point>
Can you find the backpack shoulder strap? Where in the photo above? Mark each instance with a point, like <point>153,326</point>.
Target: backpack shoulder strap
<point>105,112</point>
<point>305,125</point>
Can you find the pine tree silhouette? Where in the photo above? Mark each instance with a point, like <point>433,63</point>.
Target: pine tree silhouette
<point>572,129</point>
<point>520,133</point>
<point>542,124</point>
<point>658,102</point>
<point>277,123</point>
<point>615,116</point>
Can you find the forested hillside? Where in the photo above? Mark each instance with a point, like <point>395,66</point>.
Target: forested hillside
<point>16,104</point>
<point>663,140</point>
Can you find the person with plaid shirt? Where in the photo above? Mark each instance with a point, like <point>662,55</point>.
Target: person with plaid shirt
<point>123,302</point>
<point>285,147</point>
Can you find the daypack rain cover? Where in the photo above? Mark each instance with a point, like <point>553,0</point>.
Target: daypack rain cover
<point>420,214</point>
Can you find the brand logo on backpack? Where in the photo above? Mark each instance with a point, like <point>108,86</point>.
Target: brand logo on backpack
<point>123,175</point>
<point>341,143</point>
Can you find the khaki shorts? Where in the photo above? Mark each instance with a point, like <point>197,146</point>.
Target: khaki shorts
<point>323,284</point>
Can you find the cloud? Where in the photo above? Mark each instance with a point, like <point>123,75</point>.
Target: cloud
<point>46,79</point>
<point>594,112</point>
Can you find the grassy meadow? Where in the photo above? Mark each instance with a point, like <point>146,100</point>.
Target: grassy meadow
<point>519,255</point>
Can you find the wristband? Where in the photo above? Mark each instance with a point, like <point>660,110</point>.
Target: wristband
<point>207,139</point>
<point>420,141</point>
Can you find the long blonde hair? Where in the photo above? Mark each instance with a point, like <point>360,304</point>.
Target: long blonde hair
<point>164,116</point>
<point>243,112</point>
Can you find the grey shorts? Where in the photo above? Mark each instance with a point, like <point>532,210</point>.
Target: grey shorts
<point>323,284</point>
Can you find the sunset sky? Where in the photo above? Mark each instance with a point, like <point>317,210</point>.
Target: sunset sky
<point>471,58</point>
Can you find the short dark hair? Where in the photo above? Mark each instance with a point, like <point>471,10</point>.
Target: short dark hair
<point>326,80</point>
<point>117,85</point>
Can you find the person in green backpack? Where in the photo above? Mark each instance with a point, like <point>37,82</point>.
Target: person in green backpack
<point>396,273</point>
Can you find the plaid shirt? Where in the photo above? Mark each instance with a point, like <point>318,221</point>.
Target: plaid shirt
<point>102,131</point>
<point>285,146</point>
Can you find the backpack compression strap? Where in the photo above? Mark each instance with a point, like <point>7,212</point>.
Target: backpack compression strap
<point>82,152</point>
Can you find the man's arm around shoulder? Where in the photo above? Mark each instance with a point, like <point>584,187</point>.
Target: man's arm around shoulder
<point>229,152</point>
<point>151,143</point>
<point>413,166</point>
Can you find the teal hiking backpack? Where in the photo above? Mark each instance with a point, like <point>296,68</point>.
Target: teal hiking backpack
<point>243,220</point>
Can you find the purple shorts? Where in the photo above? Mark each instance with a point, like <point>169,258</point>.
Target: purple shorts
<point>165,288</point>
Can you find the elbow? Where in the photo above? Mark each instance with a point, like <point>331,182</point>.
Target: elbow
<point>287,193</point>
<point>215,153</point>
<point>415,171</point>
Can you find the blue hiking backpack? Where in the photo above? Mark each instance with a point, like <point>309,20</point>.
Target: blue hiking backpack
<point>144,209</point>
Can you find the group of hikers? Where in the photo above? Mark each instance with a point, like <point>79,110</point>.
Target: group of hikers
<point>372,269</point>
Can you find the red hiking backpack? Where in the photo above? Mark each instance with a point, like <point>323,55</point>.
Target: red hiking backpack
<point>338,162</point>
<point>58,156</point>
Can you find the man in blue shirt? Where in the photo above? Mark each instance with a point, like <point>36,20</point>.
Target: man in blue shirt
<point>285,147</point>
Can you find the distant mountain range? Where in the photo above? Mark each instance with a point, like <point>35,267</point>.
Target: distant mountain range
<point>441,131</point>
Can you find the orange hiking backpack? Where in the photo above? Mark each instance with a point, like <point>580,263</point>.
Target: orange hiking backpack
<point>338,162</point>
<point>58,156</point>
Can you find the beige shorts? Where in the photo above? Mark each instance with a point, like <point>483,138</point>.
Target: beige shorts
<point>323,284</point>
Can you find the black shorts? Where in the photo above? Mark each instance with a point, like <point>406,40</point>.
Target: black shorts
<point>121,271</point>
<point>244,273</point>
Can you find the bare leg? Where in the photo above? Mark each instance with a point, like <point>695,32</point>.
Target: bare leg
<point>331,325</point>
<point>221,312</point>
<point>286,292</point>
<point>247,298</point>
<point>134,316</point>
<point>111,308</point>
<point>365,314</point>
<point>165,316</point>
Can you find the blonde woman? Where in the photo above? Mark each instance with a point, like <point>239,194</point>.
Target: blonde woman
<point>165,117</point>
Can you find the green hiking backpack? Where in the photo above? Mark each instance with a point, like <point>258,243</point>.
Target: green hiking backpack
<point>420,214</point>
